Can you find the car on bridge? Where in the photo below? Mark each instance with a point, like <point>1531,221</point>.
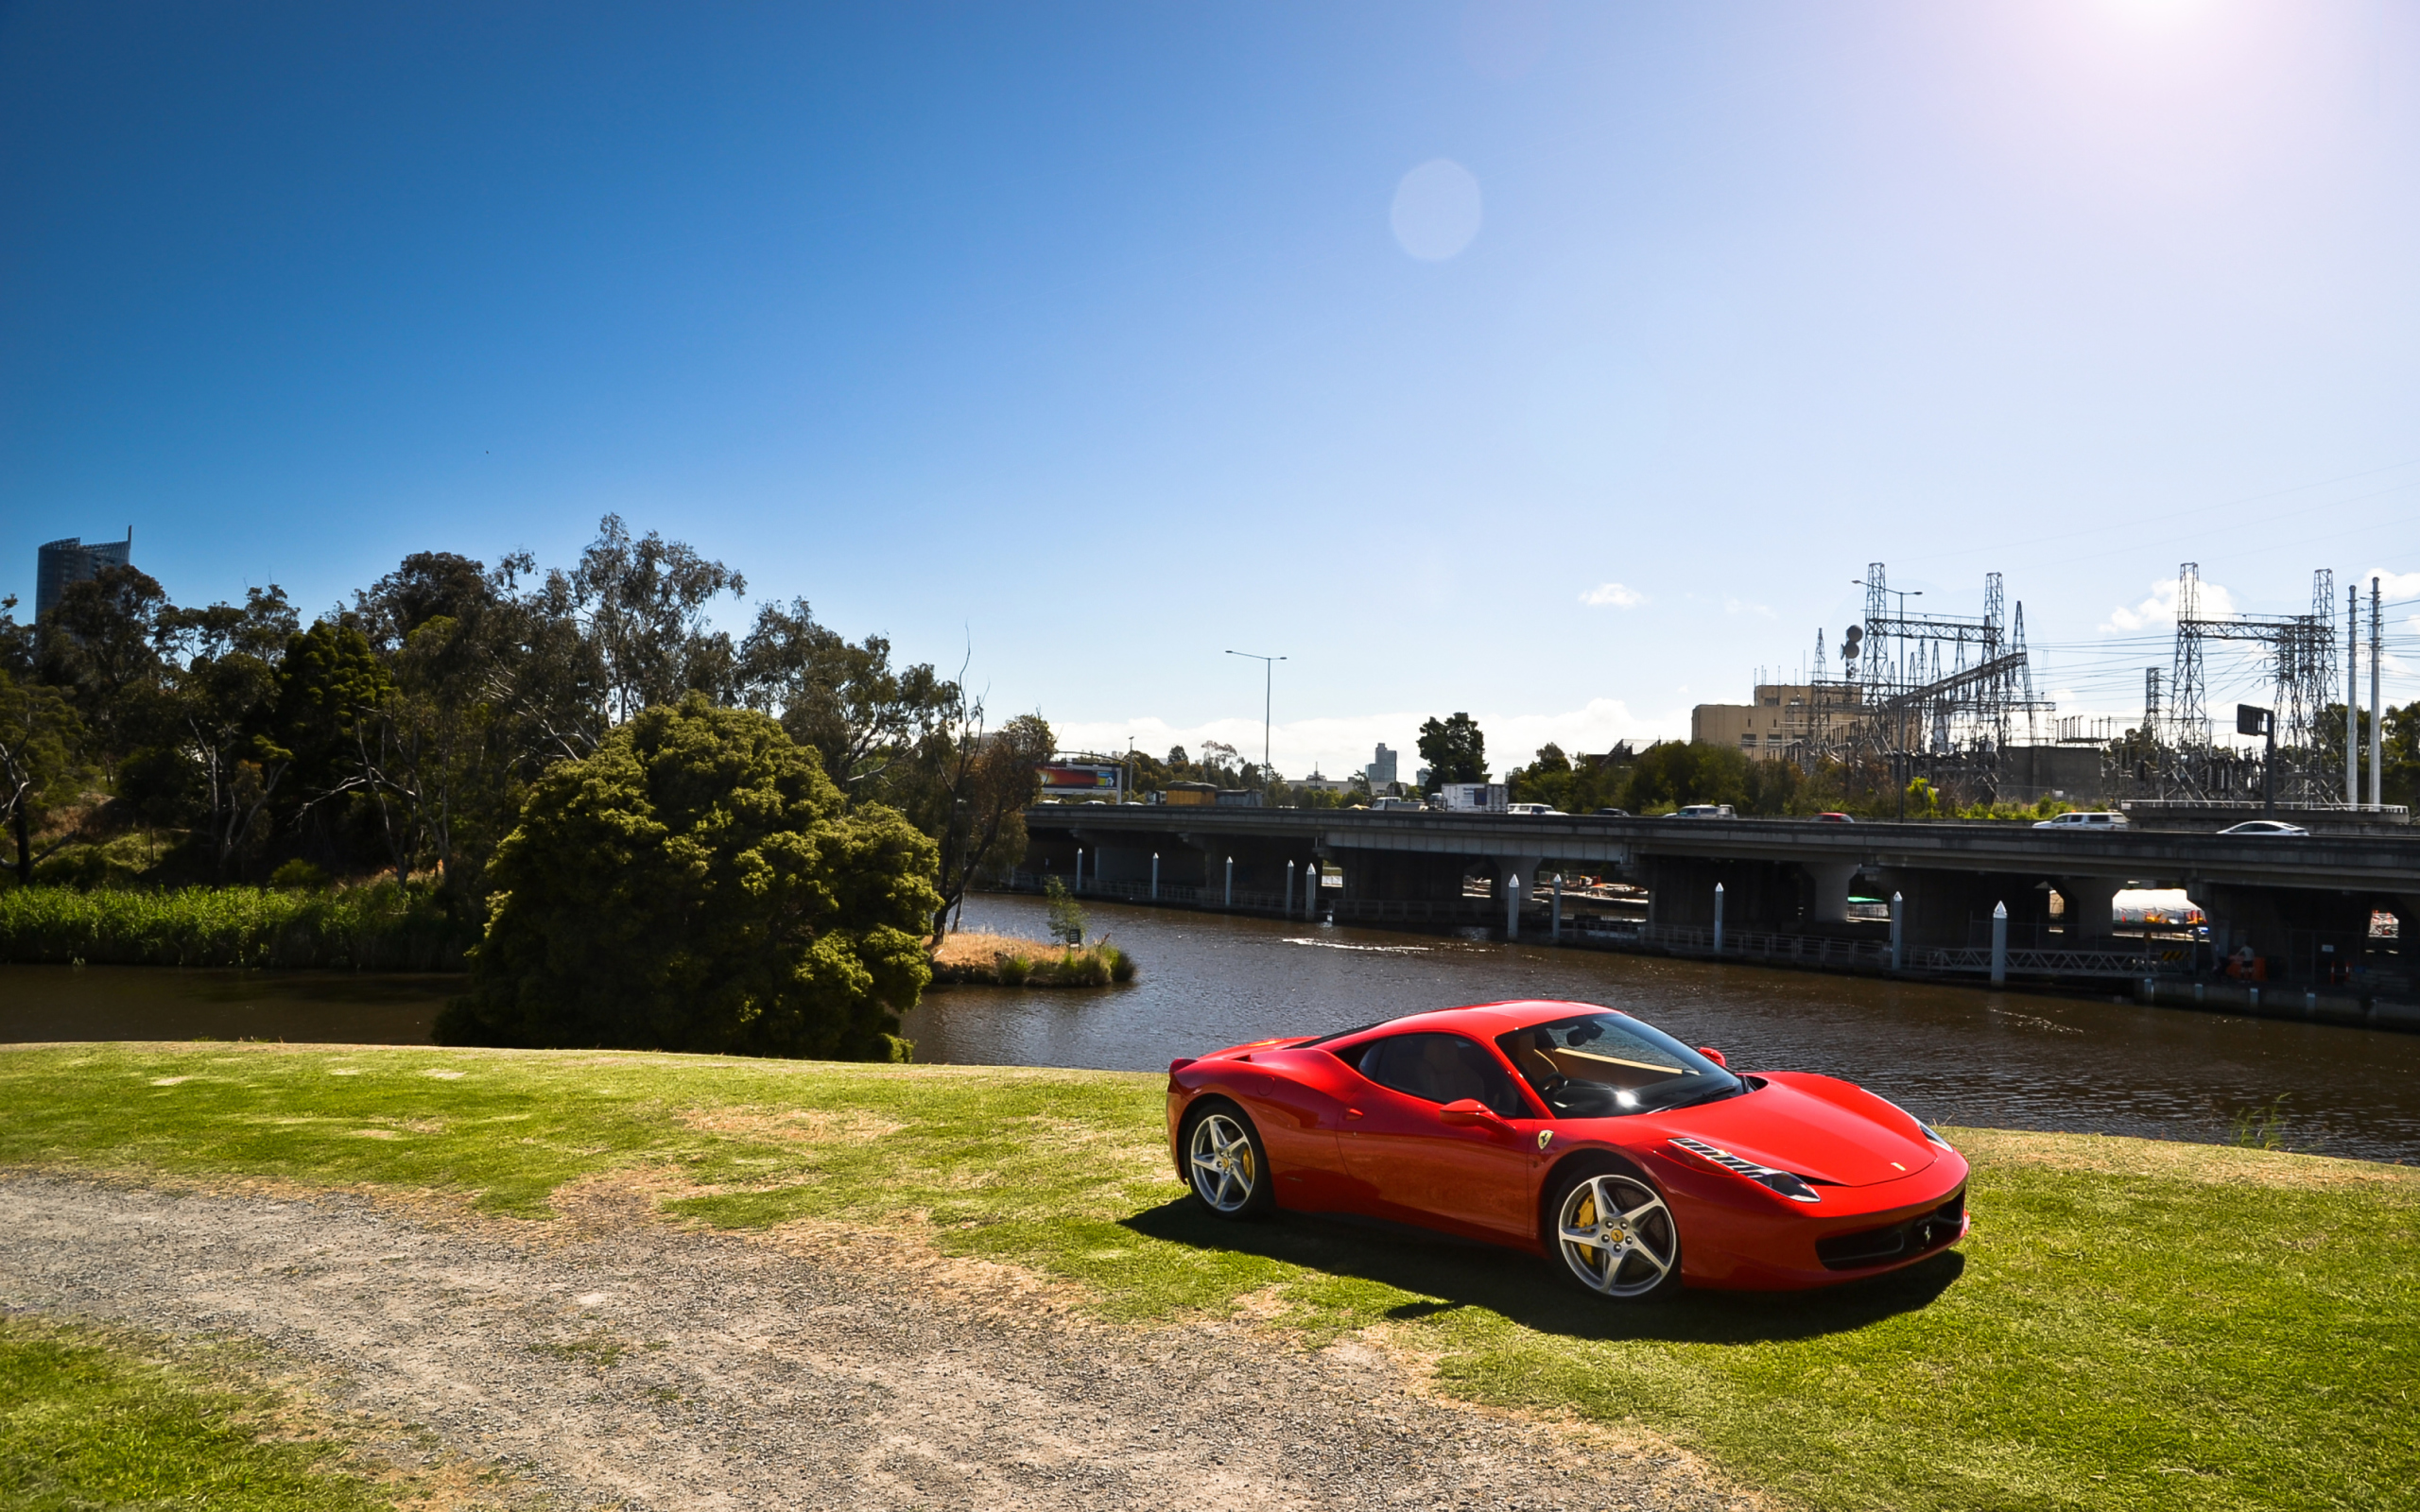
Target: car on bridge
<point>2081,820</point>
<point>2264,826</point>
<point>1703,811</point>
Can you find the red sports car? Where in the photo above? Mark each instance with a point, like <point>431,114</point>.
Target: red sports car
<point>1569,1130</point>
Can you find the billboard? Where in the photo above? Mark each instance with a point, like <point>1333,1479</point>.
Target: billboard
<point>1081,779</point>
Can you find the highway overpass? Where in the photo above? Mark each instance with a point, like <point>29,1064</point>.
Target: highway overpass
<point>2285,897</point>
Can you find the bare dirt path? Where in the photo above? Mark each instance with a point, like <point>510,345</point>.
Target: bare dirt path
<point>633,1364</point>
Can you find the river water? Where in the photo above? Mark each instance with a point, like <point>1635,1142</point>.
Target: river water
<point>1949,1055</point>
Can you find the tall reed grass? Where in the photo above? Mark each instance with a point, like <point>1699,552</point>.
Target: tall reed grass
<point>382,927</point>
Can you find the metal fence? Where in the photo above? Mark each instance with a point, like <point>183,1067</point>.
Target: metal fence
<point>2167,960</point>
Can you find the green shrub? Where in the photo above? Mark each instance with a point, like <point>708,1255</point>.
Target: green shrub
<point>1067,920</point>
<point>1014,970</point>
<point>697,884</point>
<point>1121,966</point>
<point>298,875</point>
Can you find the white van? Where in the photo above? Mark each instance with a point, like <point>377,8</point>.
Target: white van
<point>2103,820</point>
<point>1703,811</point>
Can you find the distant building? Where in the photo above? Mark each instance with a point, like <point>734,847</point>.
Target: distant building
<point>1783,716</point>
<point>62,562</point>
<point>1323,784</point>
<point>1381,772</point>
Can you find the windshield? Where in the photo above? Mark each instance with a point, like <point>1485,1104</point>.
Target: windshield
<point>1604,1065</point>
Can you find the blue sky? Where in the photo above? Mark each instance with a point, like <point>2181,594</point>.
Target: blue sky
<point>1094,339</point>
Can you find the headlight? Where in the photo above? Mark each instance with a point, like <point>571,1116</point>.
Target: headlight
<point>1790,1186</point>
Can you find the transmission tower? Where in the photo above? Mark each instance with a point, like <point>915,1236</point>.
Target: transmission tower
<point>2301,649</point>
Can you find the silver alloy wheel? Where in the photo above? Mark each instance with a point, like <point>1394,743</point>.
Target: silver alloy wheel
<point>1617,1236</point>
<point>1224,1169</point>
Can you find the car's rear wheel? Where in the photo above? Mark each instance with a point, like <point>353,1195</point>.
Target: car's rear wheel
<point>1613,1234</point>
<point>1224,1162</point>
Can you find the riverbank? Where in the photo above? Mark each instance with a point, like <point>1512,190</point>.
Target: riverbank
<point>2114,1333</point>
<point>978,957</point>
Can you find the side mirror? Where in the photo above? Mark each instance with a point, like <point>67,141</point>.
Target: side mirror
<point>1468,1112</point>
<point>1715,1055</point>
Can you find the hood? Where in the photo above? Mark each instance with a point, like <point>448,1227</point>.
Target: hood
<point>1792,1129</point>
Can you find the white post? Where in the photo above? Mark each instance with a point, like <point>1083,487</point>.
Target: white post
<point>1155,876</point>
<point>1999,943</point>
<point>2377,723</point>
<point>1717,919</point>
<point>1290,888</point>
<point>1231,883</point>
<point>1080,870</point>
<point>2352,695</point>
<point>1554,930</point>
<point>1313,874</point>
<point>1512,890</point>
<point>1898,951</point>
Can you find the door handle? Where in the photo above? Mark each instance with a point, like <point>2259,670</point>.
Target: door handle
<point>1352,1112</point>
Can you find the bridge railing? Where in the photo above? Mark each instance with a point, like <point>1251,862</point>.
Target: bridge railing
<point>2165,960</point>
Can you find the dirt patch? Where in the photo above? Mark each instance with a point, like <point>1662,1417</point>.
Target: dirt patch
<point>617,1361</point>
<point>2213,1164</point>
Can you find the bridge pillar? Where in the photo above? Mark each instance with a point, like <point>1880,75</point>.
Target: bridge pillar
<point>1828,895</point>
<point>2088,899</point>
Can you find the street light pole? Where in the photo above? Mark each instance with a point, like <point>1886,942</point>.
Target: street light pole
<point>1268,685</point>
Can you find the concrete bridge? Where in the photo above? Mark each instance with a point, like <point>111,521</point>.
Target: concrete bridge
<point>2302,902</point>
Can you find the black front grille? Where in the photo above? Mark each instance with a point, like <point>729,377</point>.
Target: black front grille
<point>1881,1246</point>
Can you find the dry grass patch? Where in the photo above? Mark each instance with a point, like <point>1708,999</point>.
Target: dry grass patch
<point>801,1125</point>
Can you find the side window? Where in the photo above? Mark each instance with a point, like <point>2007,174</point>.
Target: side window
<point>1441,1068</point>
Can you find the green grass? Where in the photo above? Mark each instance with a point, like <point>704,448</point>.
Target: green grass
<point>2132,1325</point>
<point>93,1418</point>
<point>379,927</point>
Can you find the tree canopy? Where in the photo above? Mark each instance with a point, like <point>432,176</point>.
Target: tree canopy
<point>697,884</point>
<point>405,731</point>
<point>1455,750</point>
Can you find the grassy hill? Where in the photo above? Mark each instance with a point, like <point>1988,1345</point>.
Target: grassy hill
<point>2131,1324</point>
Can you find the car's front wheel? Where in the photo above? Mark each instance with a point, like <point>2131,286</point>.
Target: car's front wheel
<point>1224,1162</point>
<point>1613,1234</point>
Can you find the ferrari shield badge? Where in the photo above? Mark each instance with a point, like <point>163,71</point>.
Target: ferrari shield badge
<point>1545,1137</point>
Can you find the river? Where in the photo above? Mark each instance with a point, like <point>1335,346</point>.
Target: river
<point>1950,1055</point>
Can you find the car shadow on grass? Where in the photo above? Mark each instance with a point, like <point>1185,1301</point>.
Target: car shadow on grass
<point>1450,1274</point>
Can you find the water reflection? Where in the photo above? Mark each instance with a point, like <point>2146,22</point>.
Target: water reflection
<point>45,1002</point>
<point>1952,1054</point>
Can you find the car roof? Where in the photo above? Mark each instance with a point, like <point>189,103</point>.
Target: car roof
<point>1485,1020</point>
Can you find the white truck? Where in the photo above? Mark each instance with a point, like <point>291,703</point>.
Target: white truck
<point>1472,798</point>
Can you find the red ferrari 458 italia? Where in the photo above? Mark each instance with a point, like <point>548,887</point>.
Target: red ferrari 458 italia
<point>1574,1132</point>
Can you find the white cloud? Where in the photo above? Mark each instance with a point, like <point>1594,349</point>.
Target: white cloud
<point>1612,595</point>
<point>1741,606</point>
<point>2391,586</point>
<point>2160,609</point>
<point>1341,746</point>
